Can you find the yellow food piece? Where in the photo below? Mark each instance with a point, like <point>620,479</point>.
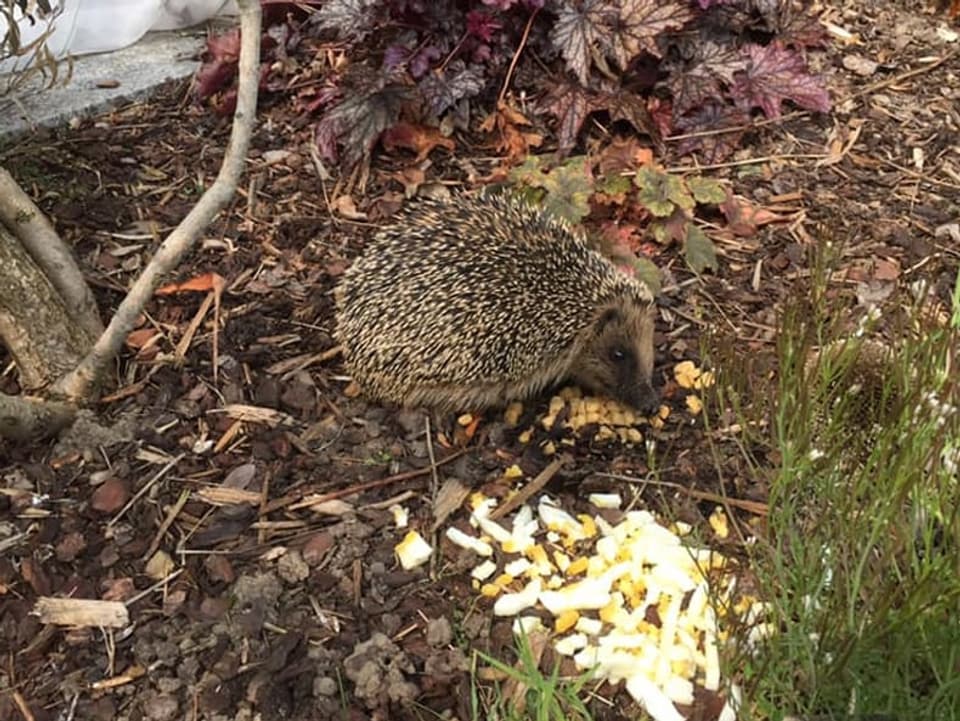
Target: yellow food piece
<point>609,612</point>
<point>413,551</point>
<point>589,525</point>
<point>694,404</point>
<point>686,374</point>
<point>705,380</point>
<point>513,413</point>
<point>718,522</point>
<point>465,420</point>
<point>578,566</point>
<point>490,590</point>
<point>477,500</point>
<point>513,471</point>
<point>566,620</point>
<point>664,412</point>
<point>538,554</point>
<point>525,436</point>
<point>503,580</point>
<point>549,448</point>
<point>605,433</point>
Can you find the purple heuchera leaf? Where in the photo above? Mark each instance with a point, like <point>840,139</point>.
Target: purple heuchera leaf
<point>593,30</point>
<point>576,30</point>
<point>420,63</point>
<point>503,5</point>
<point>442,90</point>
<point>482,25</point>
<point>351,19</point>
<point>714,148</point>
<point>357,122</point>
<point>641,22</point>
<point>395,56</point>
<point>776,74</point>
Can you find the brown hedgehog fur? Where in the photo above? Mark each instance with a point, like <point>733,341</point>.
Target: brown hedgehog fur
<point>478,301</point>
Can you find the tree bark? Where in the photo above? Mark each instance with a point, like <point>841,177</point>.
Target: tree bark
<point>25,220</point>
<point>28,419</point>
<point>35,323</point>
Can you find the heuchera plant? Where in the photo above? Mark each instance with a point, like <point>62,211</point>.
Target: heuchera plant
<point>663,66</point>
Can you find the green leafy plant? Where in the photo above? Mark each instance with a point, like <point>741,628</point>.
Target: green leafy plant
<point>859,566</point>
<point>671,200</point>
<point>546,697</point>
<point>563,191</point>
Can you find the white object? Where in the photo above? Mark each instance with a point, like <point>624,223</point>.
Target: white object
<point>82,27</point>
<point>104,25</point>
<point>178,14</point>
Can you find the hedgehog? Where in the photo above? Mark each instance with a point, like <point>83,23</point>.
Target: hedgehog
<point>475,302</point>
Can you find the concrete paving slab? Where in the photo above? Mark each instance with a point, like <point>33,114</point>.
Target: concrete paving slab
<point>136,71</point>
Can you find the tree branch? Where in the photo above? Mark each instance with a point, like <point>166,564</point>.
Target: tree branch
<point>78,384</point>
<point>30,226</point>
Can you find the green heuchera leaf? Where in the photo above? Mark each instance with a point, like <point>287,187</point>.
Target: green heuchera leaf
<point>660,233</point>
<point>699,250</point>
<point>706,190</point>
<point>567,187</point>
<point>530,172</point>
<point>660,192</point>
<point>648,272</point>
<point>614,185</point>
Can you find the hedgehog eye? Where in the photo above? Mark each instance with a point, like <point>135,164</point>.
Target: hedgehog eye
<point>618,355</point>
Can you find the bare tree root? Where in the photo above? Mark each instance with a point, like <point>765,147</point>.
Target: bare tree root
<point>79,383</point>
<point>30,226</point>
<point>24,419</point>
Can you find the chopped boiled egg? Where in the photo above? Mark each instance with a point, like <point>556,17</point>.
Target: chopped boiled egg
<point>413,551</point>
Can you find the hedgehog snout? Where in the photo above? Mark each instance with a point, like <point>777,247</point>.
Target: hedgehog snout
<point>643,397</point>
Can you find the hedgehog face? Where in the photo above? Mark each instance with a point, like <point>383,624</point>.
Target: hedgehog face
<point>617,356</point>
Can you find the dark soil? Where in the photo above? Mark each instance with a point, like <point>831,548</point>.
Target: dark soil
<point>287,601</point>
